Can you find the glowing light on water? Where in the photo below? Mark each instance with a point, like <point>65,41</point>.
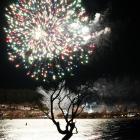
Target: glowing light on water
<point>44,129</point>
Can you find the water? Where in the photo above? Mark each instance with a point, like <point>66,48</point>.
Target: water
<point>89,129</point>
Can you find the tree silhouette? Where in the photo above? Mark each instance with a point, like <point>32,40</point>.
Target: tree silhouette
<point>68,103</point>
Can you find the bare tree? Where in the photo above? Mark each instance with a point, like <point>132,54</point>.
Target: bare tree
<point>69,104</point>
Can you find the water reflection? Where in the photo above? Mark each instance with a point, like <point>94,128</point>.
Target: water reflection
<point>122,130</point>
<point>89,129</point>
<point>2,129</point>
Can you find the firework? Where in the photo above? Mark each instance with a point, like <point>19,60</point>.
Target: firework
<point>50,38</point>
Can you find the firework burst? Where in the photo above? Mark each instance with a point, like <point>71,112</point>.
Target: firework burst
<point>50,38</point>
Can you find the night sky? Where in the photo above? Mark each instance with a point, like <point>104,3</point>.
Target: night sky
<point>119,57</point>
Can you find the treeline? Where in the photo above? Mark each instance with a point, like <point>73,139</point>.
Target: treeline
<point>19,96</point>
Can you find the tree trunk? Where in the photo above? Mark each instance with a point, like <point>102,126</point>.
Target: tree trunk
<point>67,136</point>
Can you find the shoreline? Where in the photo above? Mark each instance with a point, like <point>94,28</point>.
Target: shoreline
<point>130,118</point>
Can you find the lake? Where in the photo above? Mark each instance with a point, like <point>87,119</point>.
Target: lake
<point>89,129</point>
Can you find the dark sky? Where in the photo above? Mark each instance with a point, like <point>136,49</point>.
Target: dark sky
<point>120,57</point>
